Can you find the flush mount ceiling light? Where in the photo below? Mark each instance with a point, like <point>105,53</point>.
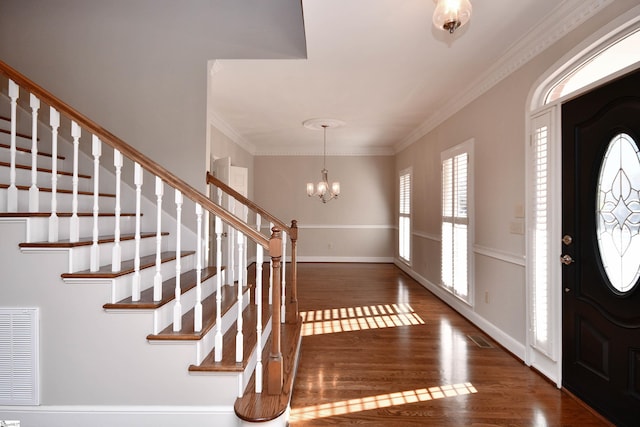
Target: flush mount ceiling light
<point>322,190</point>
<point>451,14</point>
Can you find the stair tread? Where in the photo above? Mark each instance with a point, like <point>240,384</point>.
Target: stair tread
<point>59,190</point>
<point>40,169</point>
<point>262,407</point>
<point>249,341</point>
<point>28,150</point>
<point>87,241</point>
<point>209,314</point>
<point>127,267</point>
<point>62,214</point>
<point>187,282</point>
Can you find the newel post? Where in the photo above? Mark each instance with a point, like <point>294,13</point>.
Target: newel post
<point>274,366</point>
<point>292,305</point>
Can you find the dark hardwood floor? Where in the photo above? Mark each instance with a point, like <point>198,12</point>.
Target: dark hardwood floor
<point>380,350</point>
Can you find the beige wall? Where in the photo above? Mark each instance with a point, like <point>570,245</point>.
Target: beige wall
<point>356,226</point>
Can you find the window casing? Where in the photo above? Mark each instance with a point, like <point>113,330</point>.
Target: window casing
<point>457,230</point>
<point>404,216</point>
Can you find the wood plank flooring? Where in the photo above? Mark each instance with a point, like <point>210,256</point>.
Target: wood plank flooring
<point>380,350</point>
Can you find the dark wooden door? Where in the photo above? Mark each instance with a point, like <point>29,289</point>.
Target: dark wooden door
<point>601,249</point>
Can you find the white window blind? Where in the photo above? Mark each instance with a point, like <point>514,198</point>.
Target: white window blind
<point>456,235</point>
<point>540,278</point>
<point>404,217</point>
<point>19,356</point>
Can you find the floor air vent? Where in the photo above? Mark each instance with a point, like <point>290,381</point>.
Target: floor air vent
<point>480,341</point>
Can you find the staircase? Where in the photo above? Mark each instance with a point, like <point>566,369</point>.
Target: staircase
<point>136,327</point>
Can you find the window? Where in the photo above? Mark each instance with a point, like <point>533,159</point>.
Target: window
<point>456,219</point>
<point>539,234</point>
<point>621,54</point>
<point>404,217</point>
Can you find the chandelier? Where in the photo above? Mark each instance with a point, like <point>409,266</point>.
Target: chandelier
<point>323,190</point>
<point>451,14</point>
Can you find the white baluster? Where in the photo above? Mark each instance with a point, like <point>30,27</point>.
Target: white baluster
<point>246,248</point>
<point>258,301</point>
<point>157,279</point>
<point>177,307</point>
<point>116,253</point>
<point>137,181</point>
<point>218,338</point>
<point>12,191</point>
<point>231,277</point>
<point>197,319</point>
<point>270,272</point>
<point>96,151</point>
<point>239,336</point>
<point>283,308</point>
<point>259,261</point>
<point>206,242</point>
<point>74,222</point>
<point>54,121</point>
<point>34,191</point>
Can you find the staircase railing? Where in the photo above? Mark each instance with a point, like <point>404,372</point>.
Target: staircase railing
<point>289,307</point>
<point>141,163</point>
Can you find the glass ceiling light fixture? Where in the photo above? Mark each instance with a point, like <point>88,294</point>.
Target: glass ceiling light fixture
<point>323,190</point>
<point>451,14</point>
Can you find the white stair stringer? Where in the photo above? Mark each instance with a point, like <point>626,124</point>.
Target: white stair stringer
<point>163,315</point>
<point>253,359</point>
<point>206,343</point>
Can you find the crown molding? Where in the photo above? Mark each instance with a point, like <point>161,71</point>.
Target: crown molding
<point>563,19</point>
<point>296,150</point>
<point>230,132</point>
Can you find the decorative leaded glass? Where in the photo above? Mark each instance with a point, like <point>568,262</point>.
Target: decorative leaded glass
<point>618,213</point>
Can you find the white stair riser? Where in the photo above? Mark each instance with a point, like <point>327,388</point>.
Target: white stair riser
<point>163,316</point>
<point>38,229</point>
<point>64,202</point>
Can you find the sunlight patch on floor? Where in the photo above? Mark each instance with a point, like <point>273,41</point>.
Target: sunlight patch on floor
<point>329,321</point>
<point>380,401</point>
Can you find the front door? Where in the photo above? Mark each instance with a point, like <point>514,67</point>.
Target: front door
<point>601,249</point>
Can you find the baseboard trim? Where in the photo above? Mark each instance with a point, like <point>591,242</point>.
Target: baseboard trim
<point>378,260</point>
<point>506,341</point>
<point>122,416</point>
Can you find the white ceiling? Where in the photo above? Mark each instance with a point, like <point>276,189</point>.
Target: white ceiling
<point>381,67</point>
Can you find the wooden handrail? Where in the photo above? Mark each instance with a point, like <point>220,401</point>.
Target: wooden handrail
<point>131,153</point>
<point>252,205</point>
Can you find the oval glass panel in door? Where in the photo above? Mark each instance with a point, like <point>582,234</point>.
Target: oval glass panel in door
<point>618,213</point>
